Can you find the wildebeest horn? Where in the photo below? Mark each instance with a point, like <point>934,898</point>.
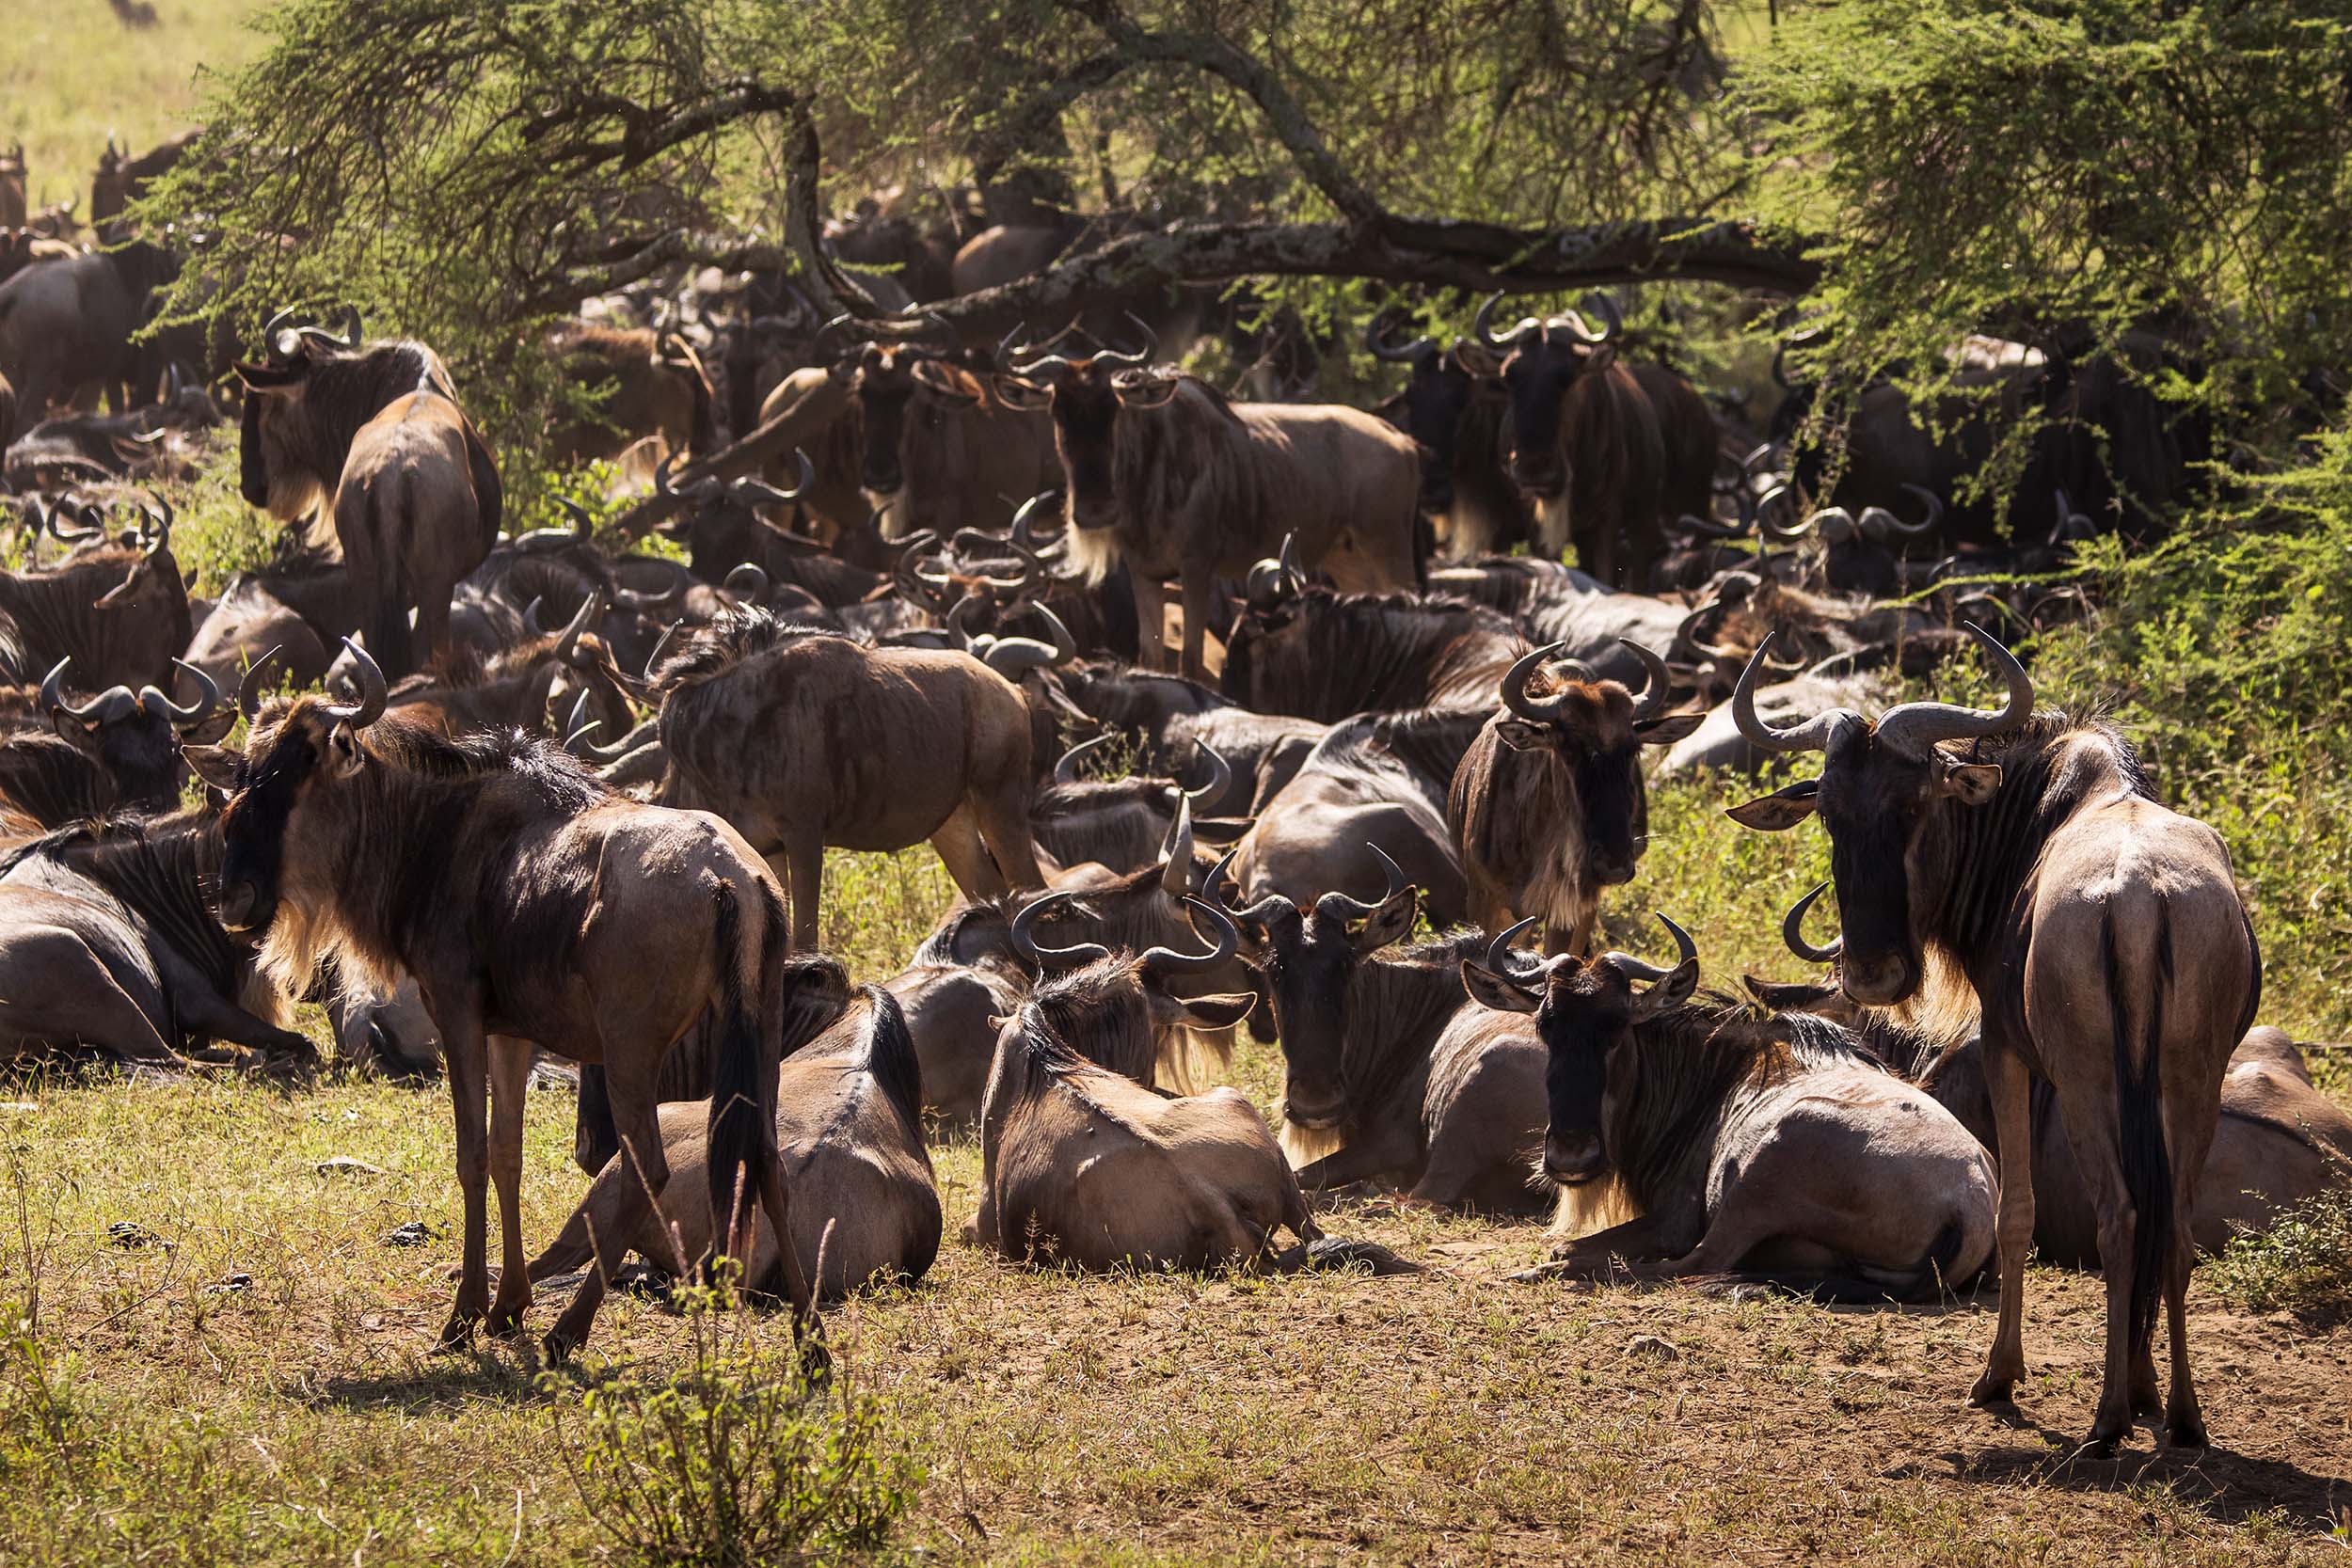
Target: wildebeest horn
<point>698,492</point>
<point>1339,906</point>
<point>1811,735</point>
<point>106,704</point>
<point>1933,503</point>
<point>1024,521</point>
<point>208,700</point>
<point>1166,961</point>
<point>1791,534</point>
<point>1012,657</point>
<point>1708,528</point>
<point>1220,778</point>
<point>1139,356</point>
<point>746,581</point>
<point>1176,853</point>
<point>1025,935</point>
<point>1481,326</point>
<point>582,528</point>
<point>1536,712</point>
<point>580,726</point>
<point>349,339</point>
<point>249,688</point>
<point>1917,726</point>
<point>1603,305</point>
<point>591,611</point>
<point>270,329</point>
<point>373,693</point>
<point>1499,953</point>
<point>158,512</point>
<point>768,492</point>
<point>1653,697</point>
<point>637,599</point>
<point>1065,770</point>
<point>653,659</point>
<point>1013,357</point>
<point>54,516</point>
<point>1377,345</point>
<point>1641,969</point>
<point>1792,932</point>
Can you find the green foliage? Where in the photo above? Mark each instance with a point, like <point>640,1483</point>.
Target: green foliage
<point>738,1460</point>
<point>215,534</point>
<point>2302,1264</point>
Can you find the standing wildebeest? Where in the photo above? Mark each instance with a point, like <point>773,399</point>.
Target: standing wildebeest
<point>1775,1150</point>
<point>1609,450</point>
<point>803,738</point>
<point>641,382</point>
<point>107,942</point>
<point>117,609</point>
<point>1163,472</point>
<point>1452,407</point>
<point>850,1130</point>
<point>1387,1071</point>
<point>1547,806</point>
<point>377,428</point>
<point>12,207</point>
<point>2109,951</point>
<point>531,906</point>
<point>119,749</point>
<point>67,321</point>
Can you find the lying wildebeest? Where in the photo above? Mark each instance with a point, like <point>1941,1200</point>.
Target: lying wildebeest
<point>1551,603</point>
<point>119,749</point>
<point>1165,473</point>
<point>106,943</point>
<point>1121,824</point>
<point>375,430</point>
<point>1771,1149</point>
<point>533,906</point>
<point>805,739</point>
<point>1315,653</point>
<point>850,1130</point>
<point>2109,951</point>
<point>517,688</point>
<point>1084,1164</point>
<point>1547,806</point>
<point>118,609</point>
<point>1387,1072</point>
<point>640,382</point>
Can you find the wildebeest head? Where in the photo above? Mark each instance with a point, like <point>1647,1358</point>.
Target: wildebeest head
<point>1308,957</point>
<point>1085,397</point>
<point>1444,385</point>
<point>1882,794</point>
<point>1585,1010</point>
<point>309,396</point>
<point>1111,1009</point>
<point>136,738</point>
<point>1543,359</point>
<point>887,377</point>
<point>721,526</point>
<point>1596,729</point>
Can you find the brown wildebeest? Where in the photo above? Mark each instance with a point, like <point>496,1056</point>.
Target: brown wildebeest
<point>520,687</point>
<point>1389,1073</point>
<point>1811,1166</point>
<point>531,906</point>
<point>118,609</point>
<point>1121,824</point>
<point>1316,653</point>
<point>119,749</point>
<point>1163,471</point>
<point>1454,408</point>
<point>803,738</point>
<point>2109,951</point>
<point>850,1130</point>
<point>1084,1164</point>
<point>653,384</point>
<point>1547,806</point>
<point>377,428</point>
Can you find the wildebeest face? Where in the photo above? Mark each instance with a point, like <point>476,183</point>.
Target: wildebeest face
<point>1538,376</point>
<point>1309,961</point>
<point>271,792</point>
<point>1086,433</point>
<point>1438,399</point>
<point>886,383</point>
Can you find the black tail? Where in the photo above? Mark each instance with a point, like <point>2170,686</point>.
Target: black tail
<point>595,1139</point>
<point>390,643</point>
<point>2140,1135</point>
<point>743,1070</point>
<point>890,1057</point>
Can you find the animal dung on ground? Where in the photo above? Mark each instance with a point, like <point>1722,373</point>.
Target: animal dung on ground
<point>414,1233</point>
<point>343,1164</point>
<point>131,1233</point>
<point>1654,1348</point>
<point>236,1284</point>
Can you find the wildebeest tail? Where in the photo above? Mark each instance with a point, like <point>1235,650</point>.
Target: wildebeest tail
<point>743,1068</point>
<point>388,634</point>
<point>595,1139</point>
<point>2140,1133</point>
<point>890,1056</point>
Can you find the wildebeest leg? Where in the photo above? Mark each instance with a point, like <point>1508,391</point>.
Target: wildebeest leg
<point>2092,1136</point>
<point>805,852</point>
<point>1003,814</point>
<point>1198,584</point>
<point>2008,1084</point>
<point>465,1053</point>
<point>1596,1256</point>
<point>204,1011</point>
<point>2192,1133</point>
<point>432,635</point>
<point>1151,617</point>
<point>965,856</point>
<point>510,1071</point>
<point>1571,939</point>
<point>634,1077</point>
<point>1387,1148</point>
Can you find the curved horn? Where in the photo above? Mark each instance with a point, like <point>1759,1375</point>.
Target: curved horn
<point>1811,735</point>
<point>1604,306</point>
<point>1641,969</point>
<point>1377,345</point>
<point>1065,770</point>
<point>1166,961</point>
<point>55,516</point>
<point>653,659</point>
<point>1934,504</point>
<point>1515,681</point>
<point>206,703</point>
<point>591,611</point>
<point>1339,906</point>
<point>807,472</point>
<point>1013,656</point>
<point>1141,355</point>
<point>373,693</point>
<point>1785,534</point>
<point>1917,726</point>
<point>580,726</point>
<point>1498,952</point>
<point>249,688</point>
<point>270,330</point>
<point>584,525</point>
<point>1792,932</point>
<point>635,598</point>
<point>52,697</point>
<point>1708,528</point>
<point>747,581</point>
<point>1176,868</point>
<point>1024,521</point>
<point>1292,580</point>
<point>158,512</point>
<point>1220,778</point>
<point>1025,935</point>
<point>1015,359</point>
<point>1653,698</point>
<point>1481,326</point>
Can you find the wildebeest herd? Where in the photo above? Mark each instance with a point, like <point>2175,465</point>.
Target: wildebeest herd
<point>543,794</point>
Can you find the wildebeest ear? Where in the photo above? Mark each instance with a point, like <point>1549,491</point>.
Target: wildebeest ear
<point>1504,995</point>
<point>1521,735</point>
<point>1786,996</point>
<point>1972,784</point>
<point>1601,357</point>
<point>344,752</point>
<point>1219,1011</point>
<point>214,726</point>
<point>1672,991</point>
<point>216,766</point>
<point>1782,808</point>
<point>272,378</point>
<point>1390,921</point>
<point>1667,730</point>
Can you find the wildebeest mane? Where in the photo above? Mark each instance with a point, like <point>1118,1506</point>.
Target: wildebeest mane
<point>1342,654</point>
<point>1426,743</point>
<point>1094,1015</point>
<point>50,778</point>
<point>890,1059</point>
<point>738,633</point>
<point>160,868</point>
<point>342,391</point>
<point>1399,1002</point>
<point>1183,457</point>
<point>53,611</point>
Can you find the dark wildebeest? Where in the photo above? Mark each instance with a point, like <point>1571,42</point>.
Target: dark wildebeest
<point>1775,1150</point>
<point>2108,953</point>
<point>850,1130</point>
<point>636,382</point>
<point>376,429</point>
<point>1315,653</point>
<point>106,943</point>
<point>301,604</point>
<point>1607,450</point>
<point>117,608</point>
<point>571,671</point>
<point>803,738</point>
<point>1388,1073</point>
<point>1452,406</point>
<point>1163,472</point>
<point>1547,806</point>
<point>1859,555</point>
<point>1121,824</point>
<point>1551,603</point>
<point>119,750</point>
<point>66,321</point>
<point>1084,1164</point>
<point>533,906</point>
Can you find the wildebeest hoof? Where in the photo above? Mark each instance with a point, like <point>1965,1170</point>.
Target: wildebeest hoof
<point>505,1322</point>
<point>556,1349</point>
<point>458,1334</point>
<point>2187,1432</point>
<point>1990,1390</point>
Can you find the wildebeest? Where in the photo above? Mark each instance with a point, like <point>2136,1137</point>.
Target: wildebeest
<point>1551,603</point>
<point>1163,472</point>
<point>1123,823</point>
<point>848,1109</point>
<point>570,671</point>
<point>1609,450</point>
<point>637,383</point>
<point>67,322</point>
<point>117,608</point>
<point>1547,806</point>
<point>1316,653</point>
<point>106,943</point>
<point>2109,951</point>
<point>803,738</point>
<point>301,604</point>
<point>531,906</point>
<point>1386,1066</point>
<point>1775,1150</point>
<point>119,750</point>
<point>374,429</point>
<point>1452,406</point>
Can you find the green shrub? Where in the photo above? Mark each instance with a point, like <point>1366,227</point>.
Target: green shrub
<point>2302,1264</point>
